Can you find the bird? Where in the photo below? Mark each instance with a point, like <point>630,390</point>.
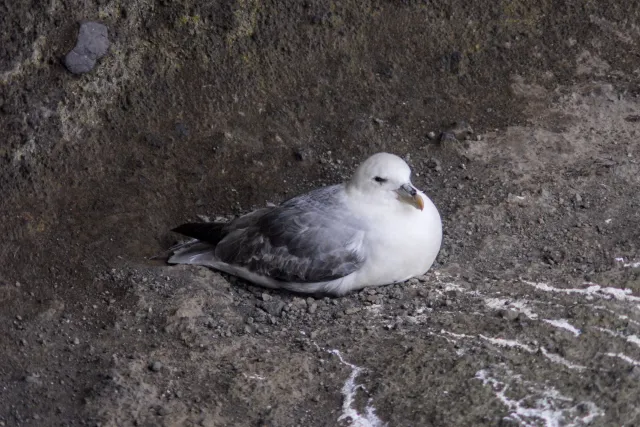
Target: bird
<point>374,229</point>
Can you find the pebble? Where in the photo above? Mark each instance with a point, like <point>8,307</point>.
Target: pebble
<point>460,129</point>
<point>352,310</point>
<point>299,302</point>
<point>431,135</point>
<point>447,137</point>
<point>155,366</point>
<point>76,341</point>
<point>312,308</point>
<point>92,44</point>
<point>273,308</point>
<point>163,411</point>
<point>33,379</point>
<point>510,315</point>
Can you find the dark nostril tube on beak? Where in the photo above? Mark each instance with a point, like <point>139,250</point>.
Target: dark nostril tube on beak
<point>409,189</point>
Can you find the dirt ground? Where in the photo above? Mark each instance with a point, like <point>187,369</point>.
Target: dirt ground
<point>530,316</point>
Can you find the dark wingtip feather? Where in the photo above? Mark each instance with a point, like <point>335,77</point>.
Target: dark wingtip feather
<point>207,232</point>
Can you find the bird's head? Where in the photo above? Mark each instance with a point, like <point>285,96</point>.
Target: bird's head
<point>385,176</point>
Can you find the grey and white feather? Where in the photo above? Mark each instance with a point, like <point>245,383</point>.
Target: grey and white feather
<point>373,230</point>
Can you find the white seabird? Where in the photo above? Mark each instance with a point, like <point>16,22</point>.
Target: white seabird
<point>375,229</point>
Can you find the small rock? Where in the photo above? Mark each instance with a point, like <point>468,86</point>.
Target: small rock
<point>299,302</point>
<point>163,411</point>
<point>351,310</point>
<point>431,135</point>
<point>155,366</point>
<point>447,138</point>
<point>33,379</point>
<point>273,308</point>
<point>182,130</point>
<point>452,62</point>
<point>433,295</point>
<point>265,297</point>
<point>460,129</point>
<point>312,308</point>
<point>510,315</point>
<point>396,293</point>
<point>76,341</point>
<point>92,44</point>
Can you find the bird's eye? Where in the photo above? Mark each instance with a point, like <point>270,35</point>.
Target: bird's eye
<point>380,180</point>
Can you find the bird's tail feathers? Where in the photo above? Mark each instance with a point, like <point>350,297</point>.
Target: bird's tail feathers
<point>192,252</point>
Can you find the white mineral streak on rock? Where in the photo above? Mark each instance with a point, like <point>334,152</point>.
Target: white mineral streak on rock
<point>563,324</point>
<point>541,405</point>
<point>624,357</point>
<point>349,390</point>
<point>592,290</point>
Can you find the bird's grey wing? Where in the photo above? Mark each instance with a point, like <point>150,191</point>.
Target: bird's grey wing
<point>311,238</point>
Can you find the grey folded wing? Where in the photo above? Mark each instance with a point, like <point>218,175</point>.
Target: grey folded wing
<point>311,238</point>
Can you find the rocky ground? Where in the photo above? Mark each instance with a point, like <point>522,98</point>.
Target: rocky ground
<point>531,315</point>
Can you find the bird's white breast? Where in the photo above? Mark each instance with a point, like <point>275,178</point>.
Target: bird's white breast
<point>401,244</point>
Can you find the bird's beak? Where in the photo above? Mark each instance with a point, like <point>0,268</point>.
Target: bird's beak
<point>407,193</point>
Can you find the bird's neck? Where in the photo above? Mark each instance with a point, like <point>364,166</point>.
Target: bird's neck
<point>368,205</point>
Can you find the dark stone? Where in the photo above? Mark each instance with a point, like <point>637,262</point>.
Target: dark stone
<point>92,44</point>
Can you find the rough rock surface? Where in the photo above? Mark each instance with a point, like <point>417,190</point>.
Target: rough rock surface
<point>531,315</point>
